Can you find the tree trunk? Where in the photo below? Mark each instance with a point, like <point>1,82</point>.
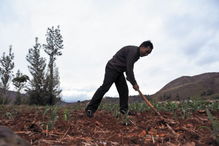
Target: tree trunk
<point>52,98</point>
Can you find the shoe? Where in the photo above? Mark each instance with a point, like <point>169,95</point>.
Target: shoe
<point>89,113</point>
<point>123,112</point>
<point>127,113</point>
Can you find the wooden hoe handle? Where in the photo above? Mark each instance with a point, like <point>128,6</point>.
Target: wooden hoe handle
<point>148,102</point>
<point>156,111</point>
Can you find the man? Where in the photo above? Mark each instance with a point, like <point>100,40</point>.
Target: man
<point>122,61</point>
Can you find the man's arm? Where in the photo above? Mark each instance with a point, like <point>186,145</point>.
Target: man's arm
<point>131,77</point>
<point>130,60</point>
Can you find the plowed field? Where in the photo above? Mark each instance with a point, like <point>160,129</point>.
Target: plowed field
<point>41,127</point>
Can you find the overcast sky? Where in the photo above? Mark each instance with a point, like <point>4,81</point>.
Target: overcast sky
<point>185,35</point>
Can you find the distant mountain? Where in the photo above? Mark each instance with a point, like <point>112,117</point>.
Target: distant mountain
<point>11,95</point>
<point>115,100</point>
<point>132,99</point>
<point>204,86</point>
<point>201,86</point>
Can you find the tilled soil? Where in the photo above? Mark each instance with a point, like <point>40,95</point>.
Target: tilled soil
<point>106,129</point>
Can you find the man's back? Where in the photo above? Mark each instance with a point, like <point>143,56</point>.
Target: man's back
<point>123,61</point>
<point>125,54</point>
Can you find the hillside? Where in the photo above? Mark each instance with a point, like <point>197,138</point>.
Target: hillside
<point>204,85</point>
<point>11,95</point>
<point>114,100</point>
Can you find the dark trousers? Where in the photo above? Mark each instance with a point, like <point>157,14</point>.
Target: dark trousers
<point>111,76</point>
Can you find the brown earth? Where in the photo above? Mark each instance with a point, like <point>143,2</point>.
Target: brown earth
<point>106,129</point>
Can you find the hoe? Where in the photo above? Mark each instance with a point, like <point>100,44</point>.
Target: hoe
<point>157,112</point>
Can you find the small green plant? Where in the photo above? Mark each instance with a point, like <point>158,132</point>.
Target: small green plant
<point>109,107</point>
<point>9,115</point>
<point>52,117</point>
<point>171,106</point>
<point>126,120</point>
<point>185,113</point>
<point>139,107</point>
<point>116,113</point>
<point>66,114</point>
<point>215,126</point>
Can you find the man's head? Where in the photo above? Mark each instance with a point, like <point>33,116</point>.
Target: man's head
<point>145,48</point>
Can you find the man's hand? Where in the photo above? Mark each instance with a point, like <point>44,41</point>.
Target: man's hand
<point>136,87</point>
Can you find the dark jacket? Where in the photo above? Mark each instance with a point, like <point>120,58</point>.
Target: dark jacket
<point>123,61</point>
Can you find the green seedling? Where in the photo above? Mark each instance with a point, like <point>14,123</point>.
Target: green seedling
<point>215,126</point>
<point>9,115</point>
<point>66,114</point>
<point>52,117</point>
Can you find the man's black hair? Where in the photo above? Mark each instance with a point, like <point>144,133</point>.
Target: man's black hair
<point>147,44</point>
